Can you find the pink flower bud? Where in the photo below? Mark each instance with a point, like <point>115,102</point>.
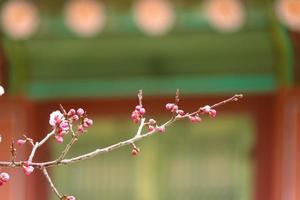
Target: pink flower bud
<point>28,169</point>
<point>90,122</point>
<point>135,116</point>
<point>20,142</point>
<point>85,125</point>
<point>138,107</point>
<point>71,112</point>
<point>161,129</point>
<point>59,139</point>
<point>169,106</point>
<point>175,108</point>
<point>80,112</point>
<point>151,128</point>
<point>206,109</point>
<point>142,111</point>
<point>212,113</point>
<point>71,198</point>
<point>195,119</point>
<point>180,112</point>
<point>4,177</point>
<point>80,128</point>
<point>64,126</point>
<point>75,117</point>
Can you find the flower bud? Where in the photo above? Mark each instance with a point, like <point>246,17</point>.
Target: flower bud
<point>135,151</point>
<point>59,139</point>
<point>212,113</point>
<point>161,129</point>
<point>21,142</point>
<point>71,112</point>
<point>206,109</point>
<point>142,111</point>
<point>169,106</point>
<point>4,177</point>
<point>80,112</point>
<point>75,117</point>
<point>71,198</point>
<point>27,169</point>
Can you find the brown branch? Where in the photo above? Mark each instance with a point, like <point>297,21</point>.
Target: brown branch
<point>136,138</point>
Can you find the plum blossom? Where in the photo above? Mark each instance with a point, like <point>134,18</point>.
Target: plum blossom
<point>55,118</point>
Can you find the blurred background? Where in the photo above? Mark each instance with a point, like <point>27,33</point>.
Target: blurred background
<point>97,54</point>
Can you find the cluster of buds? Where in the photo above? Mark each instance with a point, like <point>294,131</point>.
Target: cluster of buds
<point>62,122</point>
<point>27,169</point>
<point>208,110</point>
<point>172,107</point>
<point>138,113</point>
<point>4,178</point>
<point>80,115</point>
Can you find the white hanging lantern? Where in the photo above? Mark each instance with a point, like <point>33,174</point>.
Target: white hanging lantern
<point>85,17</point>
<point>225,15</point>
<point>288,12</point>
<point>19,19</point>
<point>154,17</point>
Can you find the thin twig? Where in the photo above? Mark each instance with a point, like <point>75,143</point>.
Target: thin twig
<point>35,147</point>
<point>53,188</point>
<point>47,137</point>
<point>138,133</point>
<point>68,147</point>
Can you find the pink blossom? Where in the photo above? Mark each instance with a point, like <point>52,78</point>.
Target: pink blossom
<point>4,177</point>
<point>27,169</point>
<point>55,118</point>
